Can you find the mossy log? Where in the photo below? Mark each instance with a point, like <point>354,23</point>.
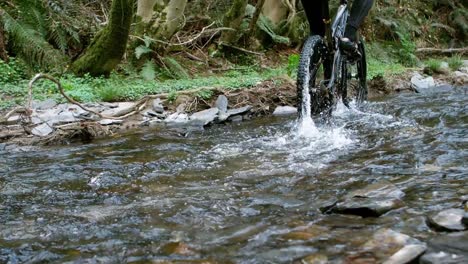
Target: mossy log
<point>108,46</point>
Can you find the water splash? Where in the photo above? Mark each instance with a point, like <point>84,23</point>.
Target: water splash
<point>306,126</point>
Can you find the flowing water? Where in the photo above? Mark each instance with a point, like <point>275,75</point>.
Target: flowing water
<point>237,193</point>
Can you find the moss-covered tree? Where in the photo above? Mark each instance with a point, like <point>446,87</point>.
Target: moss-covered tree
<point>233,19</point>
<point>108,46</point>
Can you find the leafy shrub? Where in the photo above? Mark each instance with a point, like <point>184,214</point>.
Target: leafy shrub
<point>293,64</point>
<point>407,50</point>
<point>455,62</point>
<point>11,72</point>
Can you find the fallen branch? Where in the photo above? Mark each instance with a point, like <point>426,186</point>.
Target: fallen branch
<point>139,105</point>
<point>442,51</point>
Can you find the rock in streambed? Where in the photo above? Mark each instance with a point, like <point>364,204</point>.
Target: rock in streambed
<point>448,220</point>
<point>371,201</point>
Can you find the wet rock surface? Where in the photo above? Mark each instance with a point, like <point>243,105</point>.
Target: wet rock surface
<point>420,82</point>
<point>371,201</point>
<point>285,110</point>
<point>447,249</point>
<point>448,220</point>
<point>390,247</point>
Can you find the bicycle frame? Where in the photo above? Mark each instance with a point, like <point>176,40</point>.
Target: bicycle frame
<point>334,35</point>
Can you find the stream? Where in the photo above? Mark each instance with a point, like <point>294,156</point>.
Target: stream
<point>235,193</point>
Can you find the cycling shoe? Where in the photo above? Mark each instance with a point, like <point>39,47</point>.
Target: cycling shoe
<point>350,48</point>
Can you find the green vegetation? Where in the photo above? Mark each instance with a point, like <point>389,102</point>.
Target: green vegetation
<point>119,88</point>
<point>455,62</point>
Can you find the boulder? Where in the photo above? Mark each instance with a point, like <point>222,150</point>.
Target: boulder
<point>222,103</point>
<point>285,110</point>
<point>42,130</point>
<point>448,220</point>
<point>451,248</point>
<point>420,82</point>
<point>206,116</point>
<point>371,201</point>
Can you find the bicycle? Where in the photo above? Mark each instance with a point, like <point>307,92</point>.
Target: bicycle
<point>322,62</point>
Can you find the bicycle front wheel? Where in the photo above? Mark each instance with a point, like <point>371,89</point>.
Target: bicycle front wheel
<point>312,96</point>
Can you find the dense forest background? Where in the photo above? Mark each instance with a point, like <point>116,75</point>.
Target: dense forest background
<point>155,40</point>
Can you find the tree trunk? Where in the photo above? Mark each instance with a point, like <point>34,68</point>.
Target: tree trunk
<point>256,15</point>
<point>145,10</point>
<point>3,53</point>
<point>171,19</point>
<point>233,19</point>
<point>108,46</point>
<point>275,11</point>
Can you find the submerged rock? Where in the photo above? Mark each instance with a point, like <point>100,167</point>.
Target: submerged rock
<point>313,259</point>
<point>448,220</point>
<point>447,249</point>
<point>389,247</point>
<point>372,201</point>
<point>285,110</point>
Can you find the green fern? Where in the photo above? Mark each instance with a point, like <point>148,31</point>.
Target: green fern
<point>148,72</point>
<point>30,45</point>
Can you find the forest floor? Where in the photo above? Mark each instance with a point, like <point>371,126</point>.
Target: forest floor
<point>120,104</point>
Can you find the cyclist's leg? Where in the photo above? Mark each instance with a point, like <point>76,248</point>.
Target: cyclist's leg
<point>316,12</point>
<point>359,11</point>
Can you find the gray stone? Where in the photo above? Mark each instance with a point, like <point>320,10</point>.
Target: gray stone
<point>451,248</point>
<point>223,116</point>
<point>42,130</point>
<point>407,254</point>
<point>236,119</point>
<point>391,247</point>
<point>157,106</point>
<point>12,120</point>
<point>181,108</point>
<point>285,110</point>
<point>206,116</point>
<point>108,122</point>
<point>448,220</point>
<point>121,109</point>
<point>239,111</point>
<point>44,105</point>
<point>222,103</point>
<point>372,201</point>
<point>419,82</point>
<point>3,146</point>
<point>177,118</point>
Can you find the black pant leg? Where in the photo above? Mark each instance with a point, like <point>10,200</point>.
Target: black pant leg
<point>316,11</point>
<point>359,11</point>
